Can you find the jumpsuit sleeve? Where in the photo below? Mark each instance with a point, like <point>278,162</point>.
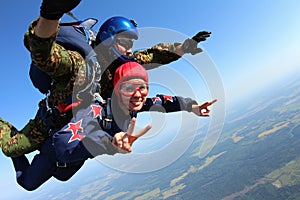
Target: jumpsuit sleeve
<point>160,54</point>
<point>52,58</point>
<point>166,103</point>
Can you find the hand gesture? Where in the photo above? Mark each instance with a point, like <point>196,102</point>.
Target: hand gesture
<point>203,109</point>
<point>201,36</point>
<point>190,45</point>
<point>124,140</point>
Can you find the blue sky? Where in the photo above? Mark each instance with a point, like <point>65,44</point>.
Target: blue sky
<point>253,44</point>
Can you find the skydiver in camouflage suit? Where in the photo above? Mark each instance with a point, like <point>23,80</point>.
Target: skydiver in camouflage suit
<point>68,69</point>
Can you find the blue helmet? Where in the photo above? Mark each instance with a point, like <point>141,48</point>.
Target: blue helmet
<point>111,27</point>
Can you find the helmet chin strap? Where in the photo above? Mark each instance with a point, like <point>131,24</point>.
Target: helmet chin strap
<point>120,56</point>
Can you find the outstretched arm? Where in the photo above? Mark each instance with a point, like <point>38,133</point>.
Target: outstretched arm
<point>40,40</point>
<point>165,103</point>
<point>164,53</point>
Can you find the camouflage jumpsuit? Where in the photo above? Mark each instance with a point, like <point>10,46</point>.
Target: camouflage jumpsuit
<point>67,69</point>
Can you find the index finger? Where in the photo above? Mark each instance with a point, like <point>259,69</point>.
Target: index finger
<point>211,102</point>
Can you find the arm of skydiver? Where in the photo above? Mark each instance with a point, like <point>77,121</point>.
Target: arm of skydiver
<point>166,103</point>
<point>164,53</point>
<point>157,55</point>
<point>40,40</point>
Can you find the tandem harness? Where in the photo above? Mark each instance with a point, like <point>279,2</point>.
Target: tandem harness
<point>75,36</point>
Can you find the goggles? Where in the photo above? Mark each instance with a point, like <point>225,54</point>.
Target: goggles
<point>130,88</point>
<point>125,42</point>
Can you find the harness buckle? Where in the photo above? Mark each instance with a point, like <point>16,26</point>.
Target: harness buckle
<point>108,120</point>
<point>61,165</point>
<point>107,123</point>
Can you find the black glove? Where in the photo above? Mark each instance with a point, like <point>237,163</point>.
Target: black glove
<point>190,45</point>
<point>55,9</point>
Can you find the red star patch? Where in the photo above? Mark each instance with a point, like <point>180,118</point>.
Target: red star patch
<point>74,128</point>
<point>96,109</point>
<point>154,99</point>
<point>168,98</point>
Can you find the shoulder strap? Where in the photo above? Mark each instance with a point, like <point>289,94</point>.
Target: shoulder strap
<point>106,118</point>
<point>109,118</point>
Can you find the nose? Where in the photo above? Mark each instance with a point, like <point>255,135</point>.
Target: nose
<point>129,52</point>
<point>137,93</point>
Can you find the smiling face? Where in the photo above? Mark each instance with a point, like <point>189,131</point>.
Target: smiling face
<point>131,86</point>
<point>133,93</point>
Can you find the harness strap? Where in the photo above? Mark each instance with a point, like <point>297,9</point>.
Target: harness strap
<point>108,119</point>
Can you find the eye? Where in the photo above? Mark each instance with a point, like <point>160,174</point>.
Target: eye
<point>125,42</point>
<point>143,87</point>
<point>130,88</point>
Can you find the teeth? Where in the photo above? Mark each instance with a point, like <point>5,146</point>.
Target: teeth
<point>135,102</point>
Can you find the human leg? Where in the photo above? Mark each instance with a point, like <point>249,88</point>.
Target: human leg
<point>31,176</point>
<point>6,129</point>
<point>16,143</point>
